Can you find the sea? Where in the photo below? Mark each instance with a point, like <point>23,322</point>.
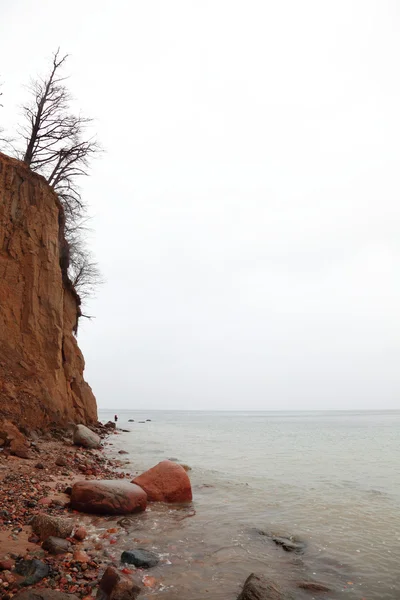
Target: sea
<point>329,481</point>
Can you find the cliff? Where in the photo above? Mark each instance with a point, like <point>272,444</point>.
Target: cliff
<point>41,366</point>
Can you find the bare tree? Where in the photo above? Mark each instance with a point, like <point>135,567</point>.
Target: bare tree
<point>55,145</point>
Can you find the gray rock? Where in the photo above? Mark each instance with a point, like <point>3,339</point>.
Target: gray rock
<point>55,545</point>
<point>257,587</point>
<point>83,436</point>
<point>289,544</point>
<point>45,526</point>
<point>140,558</point>
<point>33,570</point>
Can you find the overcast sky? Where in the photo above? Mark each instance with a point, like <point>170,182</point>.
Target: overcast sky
<point>246,212</point>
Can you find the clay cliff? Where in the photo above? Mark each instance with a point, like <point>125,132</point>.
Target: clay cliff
<point>41,366</point>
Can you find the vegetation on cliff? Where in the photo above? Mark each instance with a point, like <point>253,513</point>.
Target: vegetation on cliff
<point>54,141</point>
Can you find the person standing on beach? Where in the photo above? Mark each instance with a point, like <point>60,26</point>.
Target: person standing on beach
<point>115,418</point>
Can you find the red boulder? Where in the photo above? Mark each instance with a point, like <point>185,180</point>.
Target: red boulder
<point>105,497</point>
<point>166,482</point>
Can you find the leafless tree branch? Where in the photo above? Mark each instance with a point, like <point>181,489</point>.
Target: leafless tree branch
<point>55,146</point>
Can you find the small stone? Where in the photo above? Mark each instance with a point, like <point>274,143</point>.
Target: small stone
<point>114,585</point>
<point>61,461</point>
<point>143,559</point>
<point>80,533</point>
<point>55,545</point>
<point>39,465</point>
<point>81,556</point>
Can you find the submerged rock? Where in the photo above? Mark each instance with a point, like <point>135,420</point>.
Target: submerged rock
<point>114,585</point>
<point>166,482</point>
<point>105,497</point>
<point>41,594</point>
<point>45,526</point>
<point>141,558</point>
<point>33,570</point>
<point>55,545</point>
<point>313,586</point>
<point>289,544</point>
<point>257,587</point>
<point>83,436</point>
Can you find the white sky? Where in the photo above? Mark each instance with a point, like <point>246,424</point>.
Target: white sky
<point>246,212</point>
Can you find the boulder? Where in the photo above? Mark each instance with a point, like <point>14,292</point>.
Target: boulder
<point>83,436</point>
<point>55,545</point>
<point>257,587</point>
<point>105,497</point>
<point>45,526</point>
<point>166,482</point>
<point>44,594</point>
<point>111,425</point>
<point>114,585</point>
<point>33,570</point>
<point>143,559</point>
<point>12,438</point>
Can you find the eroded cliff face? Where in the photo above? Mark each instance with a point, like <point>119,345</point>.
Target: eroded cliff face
<point>41,366</point>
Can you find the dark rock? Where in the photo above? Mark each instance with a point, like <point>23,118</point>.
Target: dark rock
<point>123,452</point>
<point>289,544</point>
<point>46,525</point>
<point>61,461</point>
<point>68,490</point>
<point>257,587</point>
<point>33,570</point>
<point>114,585</point>
<point>110,425</point>
<point>141,558</point>
<point>131,421</point>
<point>148,420</point>
<point>39,466</point>
<point>55,545</point>
<point>44,594</point>
<point>313,586</point>
<point>106,497</point>
<point>125,430</point>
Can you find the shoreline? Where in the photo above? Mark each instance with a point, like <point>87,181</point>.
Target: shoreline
<point>38,485</point>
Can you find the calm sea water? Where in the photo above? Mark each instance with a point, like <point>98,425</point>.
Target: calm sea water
<point>331,479</point>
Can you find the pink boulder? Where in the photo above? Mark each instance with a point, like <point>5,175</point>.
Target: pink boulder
<point>166,482</point>
<point>105,497</point>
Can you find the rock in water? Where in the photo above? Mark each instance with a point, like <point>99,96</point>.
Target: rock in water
<point>313,586</point>
<point>55,545</point>
<point>46,525</point>
<point>143,559</point>
<point>288,544</point>
<point>83,436</point>
<point>257,587</point>
<point>44,595</point>
<point>114,585</point>
<point>104,497</point>
<point>166,482</point>
<point>33,570</point>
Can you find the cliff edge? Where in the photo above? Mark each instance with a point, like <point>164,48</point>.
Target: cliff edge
<point>41,366</point>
